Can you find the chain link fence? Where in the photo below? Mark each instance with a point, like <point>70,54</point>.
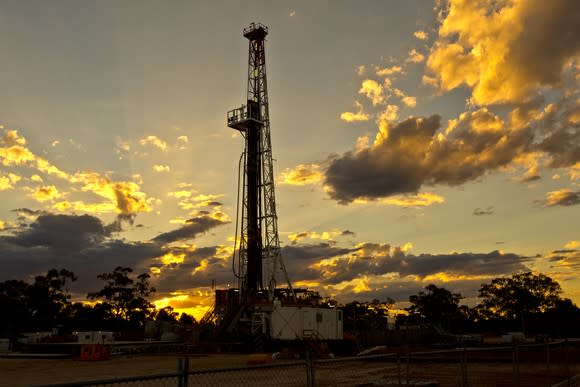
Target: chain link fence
<point>553,364</point>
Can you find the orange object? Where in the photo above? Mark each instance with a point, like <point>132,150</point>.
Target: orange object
<point>94,352</point>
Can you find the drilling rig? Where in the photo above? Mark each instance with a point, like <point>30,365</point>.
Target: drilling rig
<point>258,307</point>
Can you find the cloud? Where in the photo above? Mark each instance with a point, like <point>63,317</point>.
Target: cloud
<point>388,71</point>
<point>479,45</point>
<point>421,35</point>
<point>373,91</point>
<point>563,197</point>
<point>292,13</point>
<point>154,141</point>
<point>565,259</point>
<point>390,113</point>
<point>45,193</point>
<point>415,57</point>
<point>373,268</point>
<point>360,115</point>
<point>123,197</point>
<point>302,174</point>
<point>83,244</point>
<point>572,245</point>
<point>7,182</point>
<point>348,233</point>
<point>161,168</point>
<point>417,152</point>
<point>423,199</point>
<point>313,235</point>
<point>192,200</point>
<point>487,211</point>
<point>190,230</point>
<point>62,233</point>
<point>409,101</point>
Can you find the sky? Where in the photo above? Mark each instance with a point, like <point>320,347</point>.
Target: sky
<point>414,142</point>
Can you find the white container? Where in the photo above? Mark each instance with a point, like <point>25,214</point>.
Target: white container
<point>297,323</point>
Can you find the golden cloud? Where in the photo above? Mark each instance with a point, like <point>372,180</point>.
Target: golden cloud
<point>7,182</point>
<point>154,141</point>
<point>572,245</point>
<point>314,235</point>
<point>389,71</point>
<point>562,197</point>
<point>504,51</point>
<point>161,168</point>
<point>45,193</point>
<point>409,101</point>
<point>373,91</point>
<point>415,56</point>
<point>421,35</point>
<point>126,195</point>
<point>360,115</point>
<point>190,202</point>
<point>302,174</point>
<point>423,199</point>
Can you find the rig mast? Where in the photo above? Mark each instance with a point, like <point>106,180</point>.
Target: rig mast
<point>257,257</point>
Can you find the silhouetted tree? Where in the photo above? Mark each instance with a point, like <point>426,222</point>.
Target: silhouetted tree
<point>15,315</point>
<point>125,298</point>
<point>166,314</point>
<point>436,305</point>
<point>187,319</point>
<point>48,298</point>
<point>516,297</point>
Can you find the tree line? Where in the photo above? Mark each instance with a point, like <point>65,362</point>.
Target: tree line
<point>121,305</point>
<point>526,302</point>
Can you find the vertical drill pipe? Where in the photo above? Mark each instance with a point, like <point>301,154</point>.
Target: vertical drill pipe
<point>254,247</point>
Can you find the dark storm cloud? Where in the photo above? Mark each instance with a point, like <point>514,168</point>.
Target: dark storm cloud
<point>62,233</point>
<point>394,166</point>
<point>347,233</point>
<point>414,153</point>
<point>77,243</point>
<point>486,211</point>
<point>190,230</point>
<point>84,245</point>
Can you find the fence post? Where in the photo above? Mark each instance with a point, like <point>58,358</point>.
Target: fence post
<point>548,371</point>
<point>567,355</point>
<point>399,368</point>
<point>464,367</point>
<point>309,369</point>
<point>516,364</point>
<point>408,365</point>
<point>183,369</point>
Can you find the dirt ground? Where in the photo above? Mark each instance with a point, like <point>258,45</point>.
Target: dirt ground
<point>26,372</point>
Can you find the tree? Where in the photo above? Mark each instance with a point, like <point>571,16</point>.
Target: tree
<point>437,305</point>
<point>48,298</point>
<point>167,314</point>
<point>15,314</point>
<point>126,297</point>
<point>514,298</point>
<point>187,319</point>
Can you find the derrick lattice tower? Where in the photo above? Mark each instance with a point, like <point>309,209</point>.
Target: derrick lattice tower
<point>257,259</point>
